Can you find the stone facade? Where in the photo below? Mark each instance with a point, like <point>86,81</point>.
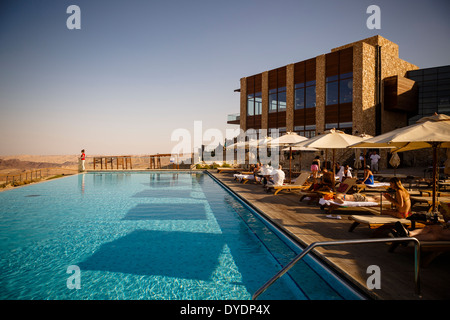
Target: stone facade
<point>320,94</point>
<point>290,98</point>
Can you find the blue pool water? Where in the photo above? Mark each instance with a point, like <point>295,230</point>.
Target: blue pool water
<point>145,236</point>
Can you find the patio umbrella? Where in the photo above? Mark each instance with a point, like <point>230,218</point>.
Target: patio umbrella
<point>428,132</point>
<point>306,149</point>
<point>288,140</point>
<point>332,139</point>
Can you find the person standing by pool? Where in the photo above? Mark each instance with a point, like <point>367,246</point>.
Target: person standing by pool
<point>315,166</point>
<point>374,158</point>
<point>83,160</point>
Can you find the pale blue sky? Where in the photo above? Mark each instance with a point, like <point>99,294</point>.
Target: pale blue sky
<point>138,70</point>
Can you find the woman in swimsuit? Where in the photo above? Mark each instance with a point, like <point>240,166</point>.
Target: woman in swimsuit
<point>401,200</point>
<point>315,166</point>
<point>368,176</point>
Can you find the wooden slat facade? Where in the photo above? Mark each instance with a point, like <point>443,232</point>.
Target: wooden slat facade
<point>338,63</point>
<point>305,71</point>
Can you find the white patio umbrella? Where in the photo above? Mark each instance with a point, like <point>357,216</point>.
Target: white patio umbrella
<point>428,132</point>
<point>331,139</point>
<point>288,140</point>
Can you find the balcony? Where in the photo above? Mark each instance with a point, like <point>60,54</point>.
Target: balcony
<point>234,118</point>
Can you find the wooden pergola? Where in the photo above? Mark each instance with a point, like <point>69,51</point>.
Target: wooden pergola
<point>155,161</point>
<point>122,161</point>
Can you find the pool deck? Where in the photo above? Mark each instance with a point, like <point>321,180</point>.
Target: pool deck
<point>307,223</point>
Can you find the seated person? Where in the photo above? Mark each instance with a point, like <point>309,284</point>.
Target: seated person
<point>368,176</point>
<point>401,200</point>
<point>328,181</point>
<point>344,173</point>
<point>278,177</point>
<point>256,172</point>
<point>433,232</point>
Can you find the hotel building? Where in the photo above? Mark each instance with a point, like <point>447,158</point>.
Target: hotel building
<point>361,87</point>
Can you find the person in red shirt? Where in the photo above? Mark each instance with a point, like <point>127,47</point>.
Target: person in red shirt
<point>83,159</point>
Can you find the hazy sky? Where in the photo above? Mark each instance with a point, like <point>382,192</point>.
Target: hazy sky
<point>138,70</point>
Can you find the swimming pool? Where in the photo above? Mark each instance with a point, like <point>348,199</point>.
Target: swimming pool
<point>146,235</point>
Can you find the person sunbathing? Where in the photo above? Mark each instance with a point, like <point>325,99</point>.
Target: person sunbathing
<point>357,197</point>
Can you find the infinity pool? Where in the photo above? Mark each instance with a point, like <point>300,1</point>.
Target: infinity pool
<point>141,235</point>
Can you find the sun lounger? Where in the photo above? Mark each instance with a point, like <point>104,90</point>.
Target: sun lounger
<point>379,222</point>
<point>377,186</point>
<point>244,177</point>
<point>299,184</point>
<point>428,201</point>
<point>233,170</point>
<point>429,250</point>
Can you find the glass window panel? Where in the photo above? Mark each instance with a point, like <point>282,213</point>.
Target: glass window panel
<point>429,100</point>
<point>299,128</point>
<point>273,91</point>
<point>331,126</point>
<point>311,83</point>
<point>310,100</point>
<point>332,78</point>
<point>281,101</point>
<point>281,89</point>
<point>299,98</point>
<point>429,88</point>
<point>310,127</point>
<point>331,93</point>
<point>430,71</point>
<point>258,105</point>
<point>430,77</point>
<point>299,85</point>
<point>443,87</point>
<point>345,125</point>
<point>444,76</point>
<point>273,102</point>
<point>250,105</point>
<point>346,75</point>
<point>346,91</point>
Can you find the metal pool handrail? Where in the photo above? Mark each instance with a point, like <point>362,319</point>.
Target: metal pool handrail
<point>341,242</point>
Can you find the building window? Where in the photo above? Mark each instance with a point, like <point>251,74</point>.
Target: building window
<point>339,89</point>
<point>250,105</point>
<point>299,96</point>
<point>306,131</point>
<point>343,126</point>
<point>277,100</point>
<point>258,103</point>
<point>254,104</point>
<point>434,91</point>
<point>346,88</point>
<point>310,95</point>
<point>305,95</point>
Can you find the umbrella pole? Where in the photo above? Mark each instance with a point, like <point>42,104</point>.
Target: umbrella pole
<point>334,172</point>
<point>290,158</point>
<point>434,176</point>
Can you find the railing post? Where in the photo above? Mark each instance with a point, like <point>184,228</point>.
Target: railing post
<point>341,242</point>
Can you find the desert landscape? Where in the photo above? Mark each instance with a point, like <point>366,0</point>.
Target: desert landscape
<point>16,170</point>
